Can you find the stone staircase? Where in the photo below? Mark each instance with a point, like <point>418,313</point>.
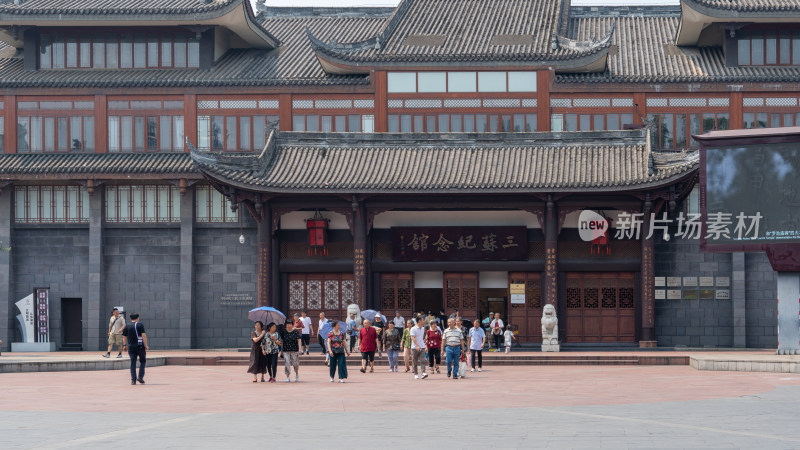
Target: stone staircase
<point>489,359</point>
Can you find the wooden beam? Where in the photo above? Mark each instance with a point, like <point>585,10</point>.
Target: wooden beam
<point>100,124</point>
<point>189,120</point>
<point>285,114</point>
<point>543,100</point>
<point>381,102</point>
<point>736,121</point>
<point>10,117</point>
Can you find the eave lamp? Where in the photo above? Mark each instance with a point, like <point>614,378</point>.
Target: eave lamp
<point>317,228</point>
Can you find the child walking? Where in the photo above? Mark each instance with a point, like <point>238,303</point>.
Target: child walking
<point>509,335</point>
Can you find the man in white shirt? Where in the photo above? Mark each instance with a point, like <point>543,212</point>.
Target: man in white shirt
<point>307,331</point>
<point>496,328</point>
<point>322,322</point>
<point>418,348</point>
<point>115,325</point>
<point>399,321</point>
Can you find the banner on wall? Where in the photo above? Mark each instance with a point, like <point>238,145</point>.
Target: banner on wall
<point>42,296</point>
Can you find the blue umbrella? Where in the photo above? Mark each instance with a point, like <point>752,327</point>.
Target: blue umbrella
<point>328,327</point>
<point>370,314</point>
<point>266,314</point>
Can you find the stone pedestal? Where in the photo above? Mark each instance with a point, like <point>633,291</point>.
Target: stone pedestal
<point>648,344</point>
<point>33,346</point>
<point>551,347</point>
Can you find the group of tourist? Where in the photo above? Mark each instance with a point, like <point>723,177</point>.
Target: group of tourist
<point>421,340</point>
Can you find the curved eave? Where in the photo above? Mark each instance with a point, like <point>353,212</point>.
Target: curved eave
<point>237,16</point>
<point>695,17</point>
<point>620,187</point>
<point>339,64</point>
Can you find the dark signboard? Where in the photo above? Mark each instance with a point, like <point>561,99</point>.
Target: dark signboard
<point>752,194</point>
<point>459,244</point>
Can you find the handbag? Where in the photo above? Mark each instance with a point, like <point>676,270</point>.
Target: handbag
<point>462,369</point>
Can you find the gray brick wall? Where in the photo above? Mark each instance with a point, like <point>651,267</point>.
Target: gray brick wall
<point>761,302</point>
<point>223,266</point>
<point>694,323</point>
<point>142,274</point>
<point>55,257</point>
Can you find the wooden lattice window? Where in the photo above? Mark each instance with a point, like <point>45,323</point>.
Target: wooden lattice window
<point>316,292</point>
<point>397,291</point>
<point>461,291</point>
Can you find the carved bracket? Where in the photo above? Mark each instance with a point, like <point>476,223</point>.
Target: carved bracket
<point>538,211</point>
<point>5,184</point>
<point>276,216</point>
<point>371,213</point>
<point>348,215</point>
<point>562,214</point>
<point>91,185</point>
<point>183,184</point>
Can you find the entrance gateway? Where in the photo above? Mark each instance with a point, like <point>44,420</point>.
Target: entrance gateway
<point>597,307</point>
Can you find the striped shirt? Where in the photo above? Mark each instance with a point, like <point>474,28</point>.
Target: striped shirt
<point>452,337</point>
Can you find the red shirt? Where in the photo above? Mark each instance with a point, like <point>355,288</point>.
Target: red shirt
<point>433,338</point>
<point>368,336</point>
<point>298,324</point>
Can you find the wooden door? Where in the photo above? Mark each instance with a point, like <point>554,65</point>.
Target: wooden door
<point>397,294</point>
<point>527,318</point>
<point>320,292</point>
<point>600,307</point>
<point>461,292</point>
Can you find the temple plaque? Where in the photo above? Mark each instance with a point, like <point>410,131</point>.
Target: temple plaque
<point>459,244</point>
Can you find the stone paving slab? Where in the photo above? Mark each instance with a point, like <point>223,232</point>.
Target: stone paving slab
<point>503,407</point>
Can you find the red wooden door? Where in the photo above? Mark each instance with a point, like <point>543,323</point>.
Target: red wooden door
<point>600,307</point>
<point>526,318</point>
<point>320,292</point>
<point>397,294</point>
<point>461,292</point>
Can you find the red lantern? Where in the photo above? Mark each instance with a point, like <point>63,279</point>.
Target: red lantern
<point>600,242</point>
<point>317,227</point>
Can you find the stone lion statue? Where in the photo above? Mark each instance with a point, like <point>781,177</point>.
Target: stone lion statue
<point>549,329</point>
<point>353,308</point>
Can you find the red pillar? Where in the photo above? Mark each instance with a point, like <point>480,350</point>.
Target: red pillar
<point>648,272</point>
<point>264,217</point>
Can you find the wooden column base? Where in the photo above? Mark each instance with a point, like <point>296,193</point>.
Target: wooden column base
<point>648,344</point>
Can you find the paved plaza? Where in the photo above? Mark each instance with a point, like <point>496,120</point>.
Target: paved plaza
<point>502,407</point>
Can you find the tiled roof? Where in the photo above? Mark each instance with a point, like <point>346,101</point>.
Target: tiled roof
<point>453,163</point>
<point>182,12</point>
<point>439,31</point>
<point>296,60</point>
<point>293,64</point>
<point>139,7</point>
<point>16,166</point>
<point>748,6</point>
<point>647,54</point>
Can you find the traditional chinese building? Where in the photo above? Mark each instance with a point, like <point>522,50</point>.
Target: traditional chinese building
<point>189,160</point>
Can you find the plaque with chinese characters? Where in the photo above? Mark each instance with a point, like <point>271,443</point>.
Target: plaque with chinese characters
<point>459,244</point>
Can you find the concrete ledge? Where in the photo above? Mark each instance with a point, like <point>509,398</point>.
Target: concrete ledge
<point>9,365</point>
<point>33,346</point>
<point>747,363</point>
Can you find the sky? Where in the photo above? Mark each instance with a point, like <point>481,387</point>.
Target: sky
<point>394,2</point>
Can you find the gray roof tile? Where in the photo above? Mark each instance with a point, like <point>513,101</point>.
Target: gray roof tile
<point>438,31</point>
<point>647,54</point>
<point>16,166</point>
<point>395,163</point>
